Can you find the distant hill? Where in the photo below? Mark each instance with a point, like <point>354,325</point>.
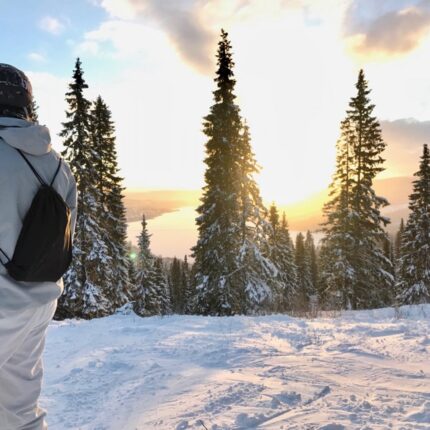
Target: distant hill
<point>302,216</point>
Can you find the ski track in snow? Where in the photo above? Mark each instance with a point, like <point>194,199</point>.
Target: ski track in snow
<point>362,370</point>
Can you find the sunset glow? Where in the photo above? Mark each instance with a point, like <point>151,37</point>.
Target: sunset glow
<point>296,63</point>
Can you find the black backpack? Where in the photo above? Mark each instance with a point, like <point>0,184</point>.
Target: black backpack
<point>43,251</point>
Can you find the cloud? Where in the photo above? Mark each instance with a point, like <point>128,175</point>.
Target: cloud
<point>118,39</point>
<point>183,22</point>
<point>35,56</point>
<point>123,9</point>
<point>404,138</point>
<point>193,26</point>
<point>385,31</point>
<point>51,25</point>
<point>186,30</point>
<point>88,46</point>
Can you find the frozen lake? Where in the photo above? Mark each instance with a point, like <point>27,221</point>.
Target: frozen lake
<point>173,233</point>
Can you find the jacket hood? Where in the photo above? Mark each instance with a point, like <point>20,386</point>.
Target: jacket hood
<point>33,139</point>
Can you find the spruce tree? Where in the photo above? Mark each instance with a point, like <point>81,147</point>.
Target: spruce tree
<point>398,239</point>
<point>132,270</point>
<point>397,245</point>
<point>217,282</point>
<point>264,287</point>
<point>388,249</point>
<point>176,286</point>
<point>337,272</point>
<point>289,268</point>
<point>313,261</point>
<point>187,287</point>
<point>374,286</point>
<point>152,295</point>
<point>304,274</point>
<point>163,288</point>
<point>354,265</point>
<point>84,294</point>
<point>145,291</point>
<point>414,264</point>
<point>112,216</point>
<point>232,270</point>
<point>144,255</point>
<point>34,116</point>
<point>282,255</point>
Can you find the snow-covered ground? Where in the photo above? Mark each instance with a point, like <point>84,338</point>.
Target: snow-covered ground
<point>361,370</point>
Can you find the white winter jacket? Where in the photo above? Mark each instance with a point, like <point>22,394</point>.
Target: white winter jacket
<point>18,186</point>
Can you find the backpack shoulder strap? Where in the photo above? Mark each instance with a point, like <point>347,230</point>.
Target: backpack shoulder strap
<point>56,173</point>
<point>5,255</point>
<point>42,182</point>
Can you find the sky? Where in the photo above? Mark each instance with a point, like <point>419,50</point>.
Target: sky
<point>296,64</point>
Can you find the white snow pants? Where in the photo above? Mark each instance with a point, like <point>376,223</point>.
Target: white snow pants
<point>22,341</point>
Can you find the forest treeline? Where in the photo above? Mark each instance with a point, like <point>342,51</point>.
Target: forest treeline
<point>245,260</point>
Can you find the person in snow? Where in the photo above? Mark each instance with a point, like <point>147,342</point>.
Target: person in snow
<point>26,308</point>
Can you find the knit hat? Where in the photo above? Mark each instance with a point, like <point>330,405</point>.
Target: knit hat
<point>15,93</point>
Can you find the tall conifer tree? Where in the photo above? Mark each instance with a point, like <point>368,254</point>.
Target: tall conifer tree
<point>112,216</point>
<point>414,265</point>
<point>353,261</point>
<point>232,270</point>
<point>260,276</point>
<point>337,272</point>
<point>84,295</point>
